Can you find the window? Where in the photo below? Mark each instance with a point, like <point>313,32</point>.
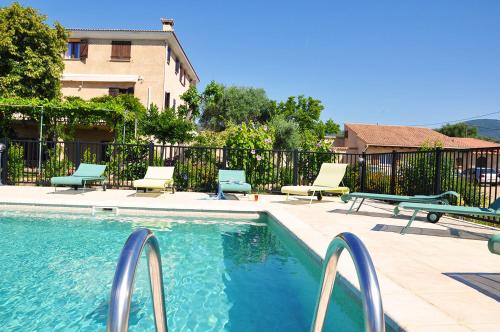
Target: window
<point>177,66</point>
<point>169,55</point>
<point>174,104</point>
<point>167,100</point>
<point>121,91</point>
<point>73,50</point>
<point>181,76</point>
<point>120,50</point>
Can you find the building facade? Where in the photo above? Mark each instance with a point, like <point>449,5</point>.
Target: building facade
<point>150,64</point>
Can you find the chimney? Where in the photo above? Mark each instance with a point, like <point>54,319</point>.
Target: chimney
<point>167,24</point>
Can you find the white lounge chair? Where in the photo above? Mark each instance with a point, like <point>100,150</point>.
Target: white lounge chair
<point>328,180</point>
<point>156,178</point>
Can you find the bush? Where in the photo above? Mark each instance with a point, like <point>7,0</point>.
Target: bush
<point>15,164</point>
<point>126,162</point>
<point>249,149</point>
<point>56,164</point>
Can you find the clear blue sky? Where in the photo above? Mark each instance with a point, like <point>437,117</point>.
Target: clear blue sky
<point>392,62</point>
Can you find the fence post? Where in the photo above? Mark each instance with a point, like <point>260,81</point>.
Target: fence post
<point>224,157</point>
<point>362,181</point>
<point>393,172</point>
<point>4,160</point>
<point>437,174</point>
<point>78,152</point>
<point>295,167</point>
<point>151,154</point>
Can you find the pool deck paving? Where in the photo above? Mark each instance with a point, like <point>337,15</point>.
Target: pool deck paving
<point>417,272</point>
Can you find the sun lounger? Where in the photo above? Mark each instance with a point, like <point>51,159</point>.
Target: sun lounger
<point>232,181</point>
<point>435,211</point>
<point>494,244</point>
<point>84,175</point>
<point>328,180</point>
<point>156,178</point>
<point>430,199</point>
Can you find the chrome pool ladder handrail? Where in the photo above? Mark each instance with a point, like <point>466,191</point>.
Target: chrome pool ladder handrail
<point>367,277</point>
<point>123,282</point>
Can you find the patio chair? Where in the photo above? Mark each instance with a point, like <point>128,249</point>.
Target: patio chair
<point>232,181</point>
<point>328,180</point>
<point>494,244</point>
<point>435,211</point>
<point>430,199</point>
<point>156,178</point>
<point>84,175</point>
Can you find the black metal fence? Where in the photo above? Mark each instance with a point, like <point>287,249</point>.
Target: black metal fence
<point>473,173</point>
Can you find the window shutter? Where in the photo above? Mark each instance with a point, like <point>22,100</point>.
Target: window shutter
<point>120,50</point>
<point>84,49</point>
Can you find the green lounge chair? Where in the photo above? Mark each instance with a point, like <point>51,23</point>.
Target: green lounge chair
<point>494,244</point>
<point>85,174</point>
<point>430,199</point>
<point>435,211</point>
<point>232,181</point>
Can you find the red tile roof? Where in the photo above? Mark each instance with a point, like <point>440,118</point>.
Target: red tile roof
<point>406,136</point>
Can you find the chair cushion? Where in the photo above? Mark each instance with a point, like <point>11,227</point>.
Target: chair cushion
<point>151,183</point>
<point>227,175</point>
<point>235,187</point>
<point>156,172</point>
<point>67,181</point>
<point>90,170</point>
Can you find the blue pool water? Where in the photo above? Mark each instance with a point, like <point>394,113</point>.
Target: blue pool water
<point>220,274</point>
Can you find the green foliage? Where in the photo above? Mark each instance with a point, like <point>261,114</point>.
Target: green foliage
<point>458,130</point>
<point>126,162</point>
<point>286,133</point>
<point>167,126</point>
<point>57,164</point>
<point>250,145</point>
<point>225,105</point>
<point>352,177</point>
<point>30,53</point>
<point>378,182</point>
<point>89,157</point>
<point>198,170</point>
<point>210,139</point>
<point>305,111</point>
<point>15,163</point>
<point>331,127</point>
<point>191,107</point>
<point>61,117</point>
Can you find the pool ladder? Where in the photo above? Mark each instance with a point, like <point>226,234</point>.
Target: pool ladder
<point>121,292</point>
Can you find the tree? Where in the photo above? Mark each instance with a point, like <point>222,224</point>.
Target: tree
<point>458,130</point>
<point>331,127</point>
<point>305,111</point>
<point>223,106</point>
<point>191,107</point>
<point>30,53</point>
<point>286,133</point>
<point>167,126</point>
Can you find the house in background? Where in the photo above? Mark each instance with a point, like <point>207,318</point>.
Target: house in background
<point>150,64</point>
<point>375,138</point>
<point>383,139</point>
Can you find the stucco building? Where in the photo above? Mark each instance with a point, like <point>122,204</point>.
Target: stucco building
<point>150,64</point>
<point>375,138</point>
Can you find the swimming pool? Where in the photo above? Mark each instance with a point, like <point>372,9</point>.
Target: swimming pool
<point>221,273</point>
